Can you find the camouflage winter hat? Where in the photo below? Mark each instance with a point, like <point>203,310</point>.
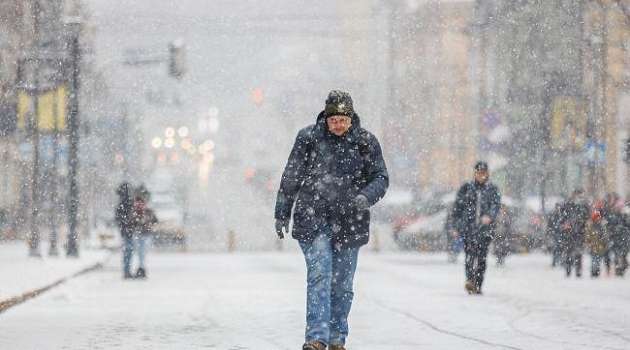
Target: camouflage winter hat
<point>338,103</point>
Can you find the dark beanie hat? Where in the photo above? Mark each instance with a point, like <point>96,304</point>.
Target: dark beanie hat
<point>481,166</point>
<point>338,103</point>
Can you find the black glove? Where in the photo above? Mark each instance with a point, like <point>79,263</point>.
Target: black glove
<point>282,227</point>
<point>360,202</point>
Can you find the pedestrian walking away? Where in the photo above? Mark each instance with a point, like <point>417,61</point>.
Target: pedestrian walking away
<point>123,215</point>
<point>573,219</point>
<point>554,235</point>
<point>619,229</point>
<point>597,239</point>
<point>475,212</point>
<point>334,173</point>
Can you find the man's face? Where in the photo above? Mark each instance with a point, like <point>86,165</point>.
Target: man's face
<point>338,124</point>
<point>481,176</point>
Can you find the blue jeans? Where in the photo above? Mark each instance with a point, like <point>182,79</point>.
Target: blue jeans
<point>127,250</point>
<point>142,242</point>
<point>330,273</point>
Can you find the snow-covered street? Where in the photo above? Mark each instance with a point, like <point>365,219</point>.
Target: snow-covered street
<point>256,301</point>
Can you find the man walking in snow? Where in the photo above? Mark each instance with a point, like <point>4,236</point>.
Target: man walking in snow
<point>475,212</point>
<point>335,172</point>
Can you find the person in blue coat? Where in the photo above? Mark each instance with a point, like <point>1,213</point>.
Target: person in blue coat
<point>335,172</point>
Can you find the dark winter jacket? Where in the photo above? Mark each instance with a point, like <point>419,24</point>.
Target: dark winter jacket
<point>124,217</point>
<point>467,218</point>
<point>573,219</point>
<point>618,228</point>
<point>324,174</point>
<point>553,224</point>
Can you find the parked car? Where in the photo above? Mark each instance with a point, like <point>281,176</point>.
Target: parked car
<point>424,232</point>
<point>421,225</point>
<point>170,229</point>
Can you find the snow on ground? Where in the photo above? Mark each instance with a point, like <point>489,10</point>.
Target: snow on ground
<point>256,301</point>
<point>20,273</point>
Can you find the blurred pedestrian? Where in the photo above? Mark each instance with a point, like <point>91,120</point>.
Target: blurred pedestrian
<point>597,240</point>
<point>619,230</point>
<point>475,212</point>
<point>335,172</point>
<point>123,216</point>
<point>454,242</point>
<point>143,220</point>
<point>574,215</point>
<point>554,235</point>
<point>503,235</point>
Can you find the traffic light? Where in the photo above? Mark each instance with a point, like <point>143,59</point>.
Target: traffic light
<point>177,59</point>
<point>258,96</point>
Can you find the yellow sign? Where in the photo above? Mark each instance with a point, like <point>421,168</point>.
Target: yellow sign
<point>568,123</point>
<point>51,112</point>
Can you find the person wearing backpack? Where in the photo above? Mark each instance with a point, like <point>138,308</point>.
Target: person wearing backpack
<point>334,173</point>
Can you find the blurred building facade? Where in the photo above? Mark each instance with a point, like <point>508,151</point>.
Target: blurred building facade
<point>433,137</point>
<point>35,39</point>
<point>554,73</point>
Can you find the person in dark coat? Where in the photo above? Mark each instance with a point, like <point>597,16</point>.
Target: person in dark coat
<point>573,218</point>
<point>124,219</point>
<point>476,208</point>
<point>597,239</point>
<point>619,230</point>
<point>334,173</point>
<point>555,235</point>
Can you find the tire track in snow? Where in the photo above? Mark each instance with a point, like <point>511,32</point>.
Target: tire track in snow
<point>528,310</point>
<point>438,329</point>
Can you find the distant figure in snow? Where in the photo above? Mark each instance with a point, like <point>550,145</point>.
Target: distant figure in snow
<point>554,235</point>
<point>618,226</point>
<point>475,213</point>
<point>454,242</point>
<point>143,220</point>
<point>123,216</point>
<point>597,239</point>
<point>503,235</point>
<point>335,172</point>
<point>573,218</point>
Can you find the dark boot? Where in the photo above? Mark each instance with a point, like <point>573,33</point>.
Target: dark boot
<point>336,347</point>
<point>314,345</point>
<point>141,273</point>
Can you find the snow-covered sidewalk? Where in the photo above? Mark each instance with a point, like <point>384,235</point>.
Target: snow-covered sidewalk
<point>403,301</point>
<point>22,276</point>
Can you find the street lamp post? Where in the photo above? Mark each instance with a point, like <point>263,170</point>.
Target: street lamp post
<point>34,238</point>
<point>73,152</point>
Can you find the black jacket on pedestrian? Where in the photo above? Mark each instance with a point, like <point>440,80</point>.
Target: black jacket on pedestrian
<point>324,174</point>
<point>124,217</point>
<point>465,208</point>
<point>574,215</point>
<point>618,228</point>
